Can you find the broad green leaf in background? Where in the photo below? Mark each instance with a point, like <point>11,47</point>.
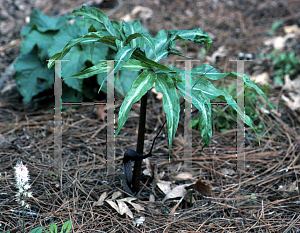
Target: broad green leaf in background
<point>31,73</point>
<point>79,54</point>
<point>165,85</point>
<point>42,40</point>
<point>42,23</point>
<point>141,85</point>
<point>123,81</point>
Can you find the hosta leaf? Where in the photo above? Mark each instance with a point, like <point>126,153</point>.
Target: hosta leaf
<point>32,74</point>
<point>43,23</point>
<point>141,85</point>
<point>78,55</point>
<point>165,85</point>
<point>42,40</point>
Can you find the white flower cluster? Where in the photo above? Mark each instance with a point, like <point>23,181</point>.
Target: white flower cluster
<point>22,179</point>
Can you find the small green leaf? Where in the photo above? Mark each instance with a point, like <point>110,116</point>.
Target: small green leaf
<point>66,227</point>
<point>53,228</point>
<point>141,85</point>
<point>37,230</point>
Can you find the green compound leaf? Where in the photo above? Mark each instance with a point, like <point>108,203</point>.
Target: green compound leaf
<point>141,85</point>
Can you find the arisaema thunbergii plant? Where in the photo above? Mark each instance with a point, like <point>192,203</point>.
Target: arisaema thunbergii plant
<point>136,50</point>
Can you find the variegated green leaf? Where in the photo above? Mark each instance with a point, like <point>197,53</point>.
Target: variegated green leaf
<point>135,65</point>
<point>195,35</point>
<point>96,14</point>
<point>165,85</point>
<point>140,56</point>
<point>89,38</point>
<point>202,103</point>
<point>211,92</point>
<point>122,56</point>
<point>89,72</point>
<point>141,85</point>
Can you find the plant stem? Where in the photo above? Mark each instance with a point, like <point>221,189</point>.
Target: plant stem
<point>140,145</point>
<point>23,217</point>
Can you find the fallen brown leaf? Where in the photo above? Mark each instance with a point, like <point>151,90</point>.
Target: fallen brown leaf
<point>202,188</point>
